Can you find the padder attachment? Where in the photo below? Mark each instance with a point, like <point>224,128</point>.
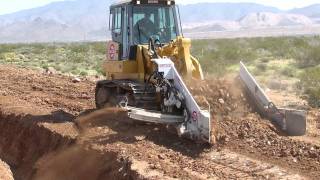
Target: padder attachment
<point>292,122</point>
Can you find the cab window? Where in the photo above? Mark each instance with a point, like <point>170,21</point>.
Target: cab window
<point>117,21</point>
<point>153,21</point>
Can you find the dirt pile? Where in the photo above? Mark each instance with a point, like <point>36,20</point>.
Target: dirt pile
<point>240,129</point>
<point>225,99</point>
<point>51,91</point>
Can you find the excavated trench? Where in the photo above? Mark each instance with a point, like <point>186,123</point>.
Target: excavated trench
<point>23,142</point>
<point>41,145</point>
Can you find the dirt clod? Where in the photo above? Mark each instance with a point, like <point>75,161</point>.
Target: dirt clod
<point>76,80</point>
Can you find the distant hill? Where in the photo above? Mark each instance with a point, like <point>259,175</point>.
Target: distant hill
<point>312,11</point>
<point>202,12</point>
<point>58,21</point>
<point>82,20</point>
<point>266,19</point>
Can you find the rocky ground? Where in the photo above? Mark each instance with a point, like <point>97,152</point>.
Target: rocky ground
<point>50,130</point>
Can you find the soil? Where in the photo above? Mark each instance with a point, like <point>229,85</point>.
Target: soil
<point>49,129</point>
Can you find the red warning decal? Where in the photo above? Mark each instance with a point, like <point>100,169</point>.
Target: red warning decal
<point>195,116</point>
<point>112,51</point>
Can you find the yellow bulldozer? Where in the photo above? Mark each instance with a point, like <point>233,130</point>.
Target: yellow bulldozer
<point>148,60</point>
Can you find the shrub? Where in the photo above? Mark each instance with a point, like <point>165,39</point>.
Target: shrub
<point>262,66</point>
<point>83,73</point>
<point>289,71</point>
<point>308,57</point>
<point>310,81</point>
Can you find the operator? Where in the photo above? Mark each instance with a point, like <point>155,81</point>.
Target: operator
<point>144,28</point>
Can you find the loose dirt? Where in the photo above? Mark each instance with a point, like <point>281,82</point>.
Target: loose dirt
<point>241,130</point>
<point>50,130</point>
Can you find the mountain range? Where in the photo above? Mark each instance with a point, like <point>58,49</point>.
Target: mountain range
<point>82,20</point>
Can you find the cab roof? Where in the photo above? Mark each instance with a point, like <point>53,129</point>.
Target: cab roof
<point>124,2</point>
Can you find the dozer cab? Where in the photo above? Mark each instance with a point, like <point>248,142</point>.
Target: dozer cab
<point>148,60</point>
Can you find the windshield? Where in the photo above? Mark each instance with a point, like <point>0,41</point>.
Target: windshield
<point>153,21</point>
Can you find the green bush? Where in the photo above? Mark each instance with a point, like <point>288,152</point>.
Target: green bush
<point>218,54</point>
<point>309,57</point>
<point>76,58</point>
<point>310,81</point>
<point>289,72</point>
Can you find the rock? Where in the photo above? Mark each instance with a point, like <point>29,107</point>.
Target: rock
<point>221,92</point>
<point>284,153</point>
<point>85,96</point>
<point>294,160</point>
<point>140,138</point>
<point>161,156</point>
<point>51,70</point>
<point>157,166</point>
<point>76,80</point>
<point>201,89</point>
<point>3,93</point>
<point>221,101</point>
<point>153,166</point>
<point>313,154</point>
<point>269,143</point>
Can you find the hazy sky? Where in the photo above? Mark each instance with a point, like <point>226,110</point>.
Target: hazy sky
<point>9,6</point>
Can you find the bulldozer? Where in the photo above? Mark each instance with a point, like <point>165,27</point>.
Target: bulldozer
<point>148,61</point>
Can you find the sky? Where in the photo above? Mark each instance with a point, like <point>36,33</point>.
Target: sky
<point>9,6</point>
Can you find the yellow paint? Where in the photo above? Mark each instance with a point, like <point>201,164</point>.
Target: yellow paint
<point>141,67</point>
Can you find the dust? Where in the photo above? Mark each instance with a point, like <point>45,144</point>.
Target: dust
<point>93,118</point>
<point>78,162</point>
<point>81,161</point>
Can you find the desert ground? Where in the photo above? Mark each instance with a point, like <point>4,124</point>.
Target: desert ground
<point>49,129</point>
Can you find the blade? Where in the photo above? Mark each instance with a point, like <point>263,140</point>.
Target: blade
<point>292,122</point>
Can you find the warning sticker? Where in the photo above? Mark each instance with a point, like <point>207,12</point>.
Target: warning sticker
<point>112,51</point>
<point>195,116</point>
